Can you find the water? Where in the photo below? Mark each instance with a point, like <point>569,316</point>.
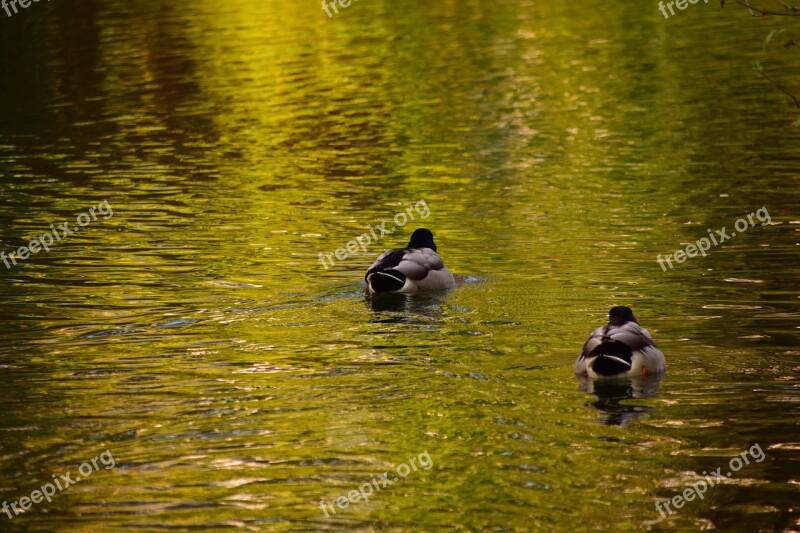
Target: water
<point>195,336</point>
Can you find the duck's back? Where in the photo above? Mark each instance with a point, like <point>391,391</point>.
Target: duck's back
<point>631,334</point>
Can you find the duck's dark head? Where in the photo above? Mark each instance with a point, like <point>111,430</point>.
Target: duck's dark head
<point>620,315</point>
<point>422,238</point>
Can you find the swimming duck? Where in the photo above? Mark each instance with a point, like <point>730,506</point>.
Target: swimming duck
<point>415,268</point>
<point>622,349</point>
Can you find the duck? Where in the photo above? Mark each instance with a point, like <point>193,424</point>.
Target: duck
<point>417,267</point>
<point>622,349</point>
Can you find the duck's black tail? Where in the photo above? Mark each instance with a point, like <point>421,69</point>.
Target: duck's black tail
<point>612,358</point>
<point>387,280</point>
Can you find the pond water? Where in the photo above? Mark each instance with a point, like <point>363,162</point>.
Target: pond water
<point>190,331</point>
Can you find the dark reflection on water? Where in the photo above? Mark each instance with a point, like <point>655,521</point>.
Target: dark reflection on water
<point>560,148</point>
<point>611,395</point>
<point>406,306</point>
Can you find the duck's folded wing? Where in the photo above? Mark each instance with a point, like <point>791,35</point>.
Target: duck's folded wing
<point>388,259</point>
<point>632,334</point>
<point>417,263</point>
<point>413,263</point>
<point>595,340</point>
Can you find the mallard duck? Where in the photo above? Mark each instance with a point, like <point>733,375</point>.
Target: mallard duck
<point>622,349</point>
<point>415,268</point>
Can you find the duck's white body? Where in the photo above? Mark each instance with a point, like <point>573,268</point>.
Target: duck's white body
<point>411,269</point>
<point>622,349</point>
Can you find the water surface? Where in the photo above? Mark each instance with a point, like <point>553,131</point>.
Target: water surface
<point>237,383</point>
